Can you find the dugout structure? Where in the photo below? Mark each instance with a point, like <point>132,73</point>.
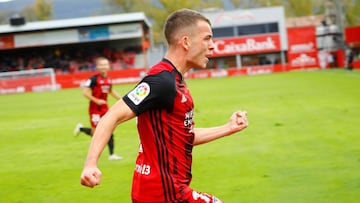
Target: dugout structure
<point>123,38</point>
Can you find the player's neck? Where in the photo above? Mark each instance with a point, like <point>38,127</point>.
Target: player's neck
<point>178,62</point>
<point>103,75</point>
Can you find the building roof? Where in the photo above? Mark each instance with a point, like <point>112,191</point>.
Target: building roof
<point>305,21</point>
<point>246,17</point>
<point>76,22</point>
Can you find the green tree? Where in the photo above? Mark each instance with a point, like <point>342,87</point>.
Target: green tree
<point>346,9</point>
<point>158,12</point>
<point>2,18</point>
<point>29,13</point>
<point>292,7</point>
<point>41,10</point>
<point>351,12</point>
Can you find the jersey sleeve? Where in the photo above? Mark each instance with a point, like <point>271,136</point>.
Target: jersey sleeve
<point>91,82</point>
<point>153,92</point>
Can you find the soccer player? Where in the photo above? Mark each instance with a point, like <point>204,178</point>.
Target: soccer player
<point>164,109</point>
<point>96,89</point>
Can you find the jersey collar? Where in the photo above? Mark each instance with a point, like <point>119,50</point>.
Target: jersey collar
<point>172,65</point>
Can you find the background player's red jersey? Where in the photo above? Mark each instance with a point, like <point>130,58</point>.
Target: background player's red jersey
<point>101,87</point>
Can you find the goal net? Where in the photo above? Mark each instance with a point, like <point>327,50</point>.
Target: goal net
<point>36,80</point>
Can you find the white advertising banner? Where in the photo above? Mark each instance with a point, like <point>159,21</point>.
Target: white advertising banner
<point>46,38</point>
<point>125,31</point>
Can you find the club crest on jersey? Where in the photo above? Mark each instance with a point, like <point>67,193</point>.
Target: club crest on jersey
<point>140,92</point>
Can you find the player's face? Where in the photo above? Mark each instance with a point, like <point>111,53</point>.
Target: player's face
<point>103,66</point>
<point>201,47</point>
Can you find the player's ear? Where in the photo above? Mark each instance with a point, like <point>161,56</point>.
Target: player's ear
<point>185,42</point>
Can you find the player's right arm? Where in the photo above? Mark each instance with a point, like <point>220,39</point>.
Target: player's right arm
<point>118,113</point>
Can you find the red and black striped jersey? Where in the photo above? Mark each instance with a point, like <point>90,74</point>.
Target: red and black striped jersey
<point>164,109</point>
<point>100,87</point>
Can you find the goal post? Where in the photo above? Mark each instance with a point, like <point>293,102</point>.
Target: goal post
<point>35,80</point>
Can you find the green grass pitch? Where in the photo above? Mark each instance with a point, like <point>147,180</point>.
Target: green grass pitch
<point>302,144</point>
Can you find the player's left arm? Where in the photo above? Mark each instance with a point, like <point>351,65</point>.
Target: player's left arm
<point>237,122</point>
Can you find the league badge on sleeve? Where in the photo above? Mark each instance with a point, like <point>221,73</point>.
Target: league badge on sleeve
<point>139,93</point>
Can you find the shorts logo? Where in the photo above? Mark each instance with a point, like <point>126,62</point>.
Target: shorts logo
<point>140,92</point>
<point>200,196</point>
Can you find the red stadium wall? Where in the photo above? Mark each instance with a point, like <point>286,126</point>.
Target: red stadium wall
<point>20,85</point>
<point>73,80</point>
<point>118,77</point>
<point>356,64</point>
<point>352,38</point>
<point>302,49</point>
<point>254,70</point>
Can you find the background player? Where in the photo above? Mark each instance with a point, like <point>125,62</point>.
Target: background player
<point>164,109</point>
<point>96,89</point>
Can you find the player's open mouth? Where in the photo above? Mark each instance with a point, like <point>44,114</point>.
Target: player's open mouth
<point>207,60</point>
